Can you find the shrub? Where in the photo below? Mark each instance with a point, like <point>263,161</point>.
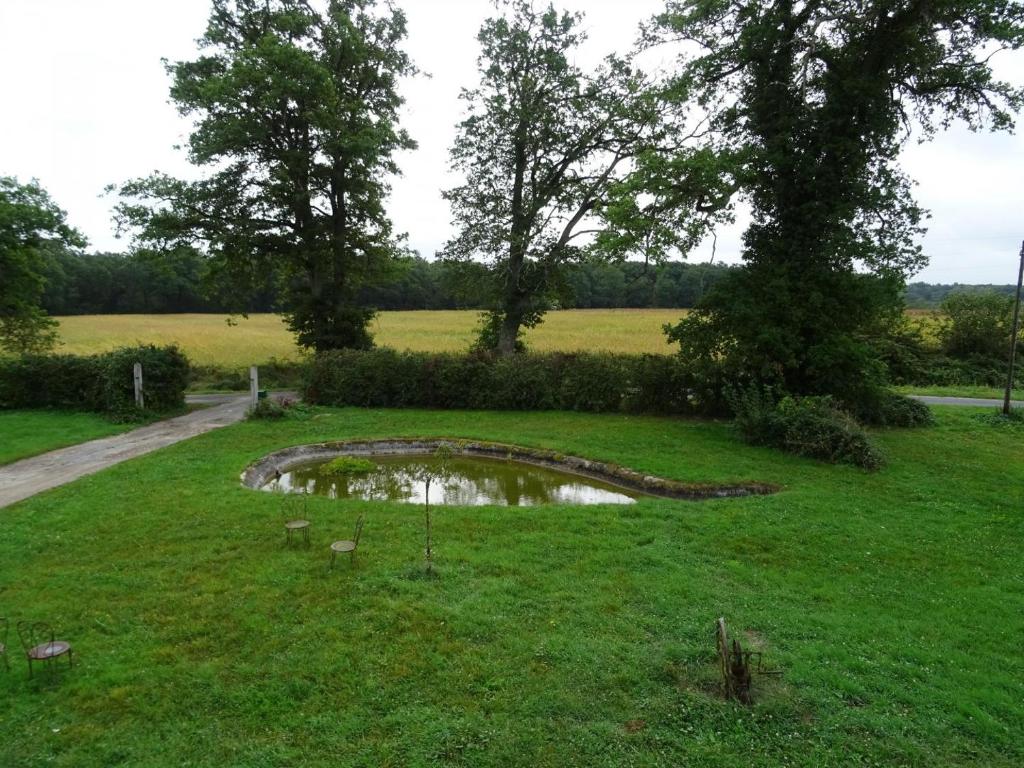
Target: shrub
<point>808,426</point>
<point>480,380</point>
<point>891,410</point>
<point>101,383</point>
<point>977,325</point>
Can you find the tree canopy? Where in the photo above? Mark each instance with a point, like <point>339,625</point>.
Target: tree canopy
<point>542,149</point>
<point>809,102</point>
<point>296,115</point>
<point>31,227</point>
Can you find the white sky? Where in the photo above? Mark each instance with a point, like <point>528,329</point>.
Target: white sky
<point>84,103</point>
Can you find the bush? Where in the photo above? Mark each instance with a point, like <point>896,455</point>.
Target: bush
<point>810,426</point>
<point>479,380</point>
<point>892,410</point>
<point>977,325</point>
<point>278,408</point>
<point>101,383</point>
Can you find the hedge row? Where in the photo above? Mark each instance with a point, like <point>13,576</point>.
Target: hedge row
<point>384,378</point>
<point>102,383</point>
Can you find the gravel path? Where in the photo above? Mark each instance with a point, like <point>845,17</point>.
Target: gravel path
<point>976,402</point>
<point>41,473</point>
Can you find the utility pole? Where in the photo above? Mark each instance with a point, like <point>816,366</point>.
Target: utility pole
<point>1015,331</point>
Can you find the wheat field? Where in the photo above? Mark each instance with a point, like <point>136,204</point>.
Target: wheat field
<point>211,340</point>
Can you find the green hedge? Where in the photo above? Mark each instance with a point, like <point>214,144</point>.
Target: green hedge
<point>384,378</point>
<point>101,383</point>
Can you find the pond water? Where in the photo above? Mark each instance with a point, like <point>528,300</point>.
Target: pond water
<point>467,481</point>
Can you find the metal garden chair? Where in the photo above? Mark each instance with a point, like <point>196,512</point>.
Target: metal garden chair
<point>348,545</point>
<point>292,521</point>
<point>40,644</point>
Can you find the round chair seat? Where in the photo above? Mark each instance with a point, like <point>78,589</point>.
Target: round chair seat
<point>295,525</point>
<point>49,650</point>
<point>343,546</point>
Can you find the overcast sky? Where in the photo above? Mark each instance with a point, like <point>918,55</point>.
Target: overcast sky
<point>83,103</point>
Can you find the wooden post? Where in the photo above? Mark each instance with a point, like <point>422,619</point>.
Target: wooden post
<point>1014,332</point>
<point>254,386</point>
<point>137,376</point>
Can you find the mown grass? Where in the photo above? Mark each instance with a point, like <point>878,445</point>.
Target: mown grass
<point>29,433</point>
<point>555,636</point>
<point>209,340</point>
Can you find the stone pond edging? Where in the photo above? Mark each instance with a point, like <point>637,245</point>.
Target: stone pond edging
<point>262,471</point>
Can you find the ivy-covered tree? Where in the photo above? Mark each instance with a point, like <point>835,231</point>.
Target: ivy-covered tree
<point>32,228</point>
<point>545,150</point>
<point>811,101</point>
<point>296,113</point>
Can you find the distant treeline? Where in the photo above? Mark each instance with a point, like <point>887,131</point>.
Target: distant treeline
<point>148,283</point>
<point>930,296</point>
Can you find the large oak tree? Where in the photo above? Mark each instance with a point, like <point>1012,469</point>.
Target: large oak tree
<point>32,230</point>
<point>811,101</point>
<point>545,151</point>
<point>296,112</point>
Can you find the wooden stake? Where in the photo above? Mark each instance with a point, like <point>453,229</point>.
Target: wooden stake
<point>137,379</point>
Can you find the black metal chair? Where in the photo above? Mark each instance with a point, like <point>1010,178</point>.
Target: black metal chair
<point>348,545</point>
<point>5,626</point>
<point>295,520</point>
<point>40,644</point>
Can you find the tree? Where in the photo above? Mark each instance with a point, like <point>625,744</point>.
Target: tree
<point>297,125</point>
<point>976,325</point>
<point>811,101</point>
<point>542,150</point>
<point>32,227</point>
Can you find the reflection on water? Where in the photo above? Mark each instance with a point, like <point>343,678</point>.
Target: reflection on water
<point>466,482</point>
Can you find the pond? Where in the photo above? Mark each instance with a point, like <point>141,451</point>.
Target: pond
<point>468,481</point>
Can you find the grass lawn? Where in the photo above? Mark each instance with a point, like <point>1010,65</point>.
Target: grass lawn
<point>29,433</point>
<point>555,636</point>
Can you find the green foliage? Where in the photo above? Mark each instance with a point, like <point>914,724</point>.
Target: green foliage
<point>809,103</point>
<point>809,426</point>
<point>31,228</point>
<point>543,143</point>
<point>275,408</point>
<point>102,383</point>
<point>296,117</point>
<point>892,410</point>
<point>577,382</point>
<point>347,466</point>
<point>977,325</point>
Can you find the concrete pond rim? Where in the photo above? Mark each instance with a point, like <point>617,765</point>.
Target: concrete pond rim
<point>262,471</point>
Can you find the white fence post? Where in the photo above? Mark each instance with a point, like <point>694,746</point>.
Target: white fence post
<point>254,386</point>
<point>137,376</point>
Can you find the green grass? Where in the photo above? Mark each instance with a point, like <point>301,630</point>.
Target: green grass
<point>556,636</point>
<point>29,433</point>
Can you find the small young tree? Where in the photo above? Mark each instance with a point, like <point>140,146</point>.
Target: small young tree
<point>297,124</point>
<point>544,150</point>
<point>433,474</point>
<point>31,227</point>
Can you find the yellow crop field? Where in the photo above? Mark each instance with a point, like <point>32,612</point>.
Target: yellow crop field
<point>210,340</point>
